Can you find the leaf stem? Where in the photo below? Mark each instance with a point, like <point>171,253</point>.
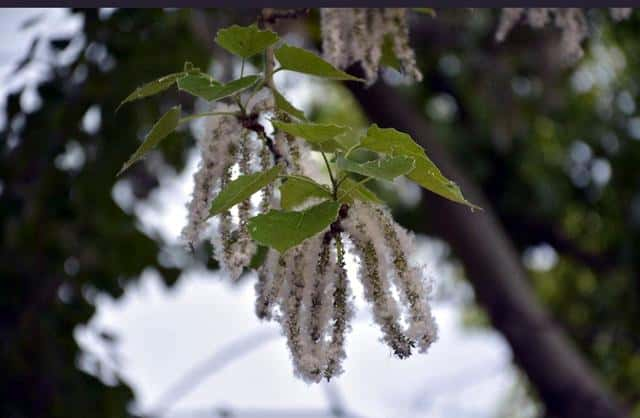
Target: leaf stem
<point>256,89</point>
<point>334,185</point>
<point>344,177</point>
<point>242,68</point>
<point>354,147</point>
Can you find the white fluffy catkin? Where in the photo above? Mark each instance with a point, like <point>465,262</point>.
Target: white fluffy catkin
<point>243,247</point>
<point>571,21</point>
<point>271,277</point>
<point>374,273</point>
<point>223,241</point>
<point>397,24</point>
<point>620,13</point>
<point>342,312</point>
<point>317,298</point>
<point>356,36</point>
<point>335,35</point>
<point>306,365</point>
<point>218,133</point>
<point>413,285</point>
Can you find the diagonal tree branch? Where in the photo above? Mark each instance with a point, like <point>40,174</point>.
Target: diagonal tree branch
<point>565,382</point>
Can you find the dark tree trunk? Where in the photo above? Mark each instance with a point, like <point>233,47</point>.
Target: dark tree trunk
<point>564,381</point>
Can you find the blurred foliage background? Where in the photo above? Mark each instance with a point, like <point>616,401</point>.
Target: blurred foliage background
<point>556,149</point>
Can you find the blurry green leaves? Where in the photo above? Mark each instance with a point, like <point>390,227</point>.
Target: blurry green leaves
<point>297,189</point>
<point>302,61</point>
<point>197,84</point>
<point>284,229</point>
<point>393,142</point>
<point>322,137</point>
<point>245,41</point>
<point>151,88</point>
<point>259,257</point>
<point>242,188</point>
<point>385,168</point>
<point>194,82</point>
<point>162,128</point>
<point>283,104</point>
<point>204,86</point>
<point>350,190</point>
<point>402,156</point>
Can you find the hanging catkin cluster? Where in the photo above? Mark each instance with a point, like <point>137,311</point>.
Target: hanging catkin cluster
<point>357,35</point>
<point>571,21</point>
<point>230,145</point>
<point>306,289</point>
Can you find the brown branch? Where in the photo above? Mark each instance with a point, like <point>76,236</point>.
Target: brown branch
<point>565,382</point>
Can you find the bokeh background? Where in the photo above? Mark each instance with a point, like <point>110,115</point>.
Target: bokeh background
<point>104,314</point>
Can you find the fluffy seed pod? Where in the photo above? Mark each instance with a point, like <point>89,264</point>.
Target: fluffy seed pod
<point>218,133</point>
<point>571,21</point>
<point>396,22</point>
<point>413,288</point>
<point>375,272</point>
<point>356,36</point>
<point>342,313</point>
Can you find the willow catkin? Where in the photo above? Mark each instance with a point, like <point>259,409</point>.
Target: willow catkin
<point>398,25</point>
<point>218,134</point>
<point>306,365</point>
<point>572,22</point>
<point>335,36</point>
<point>223,241</point>
<point>410,280</point>
<point>318,275</point>
<point>374,272</point>
<point>271,276</point>
<point>352,36</point>
<point>243,247</point>
<point>342,313</point>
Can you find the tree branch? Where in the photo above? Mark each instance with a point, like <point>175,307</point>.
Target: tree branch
<point>565,382</point>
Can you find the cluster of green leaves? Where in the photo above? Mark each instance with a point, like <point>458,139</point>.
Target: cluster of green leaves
<point>397,153</point>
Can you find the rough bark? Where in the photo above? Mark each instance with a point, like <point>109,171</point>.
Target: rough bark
<point>564,380</point>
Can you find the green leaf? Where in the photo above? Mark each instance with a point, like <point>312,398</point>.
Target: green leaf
<point>350,189</point>
<point>426,174</point>
<point>242,188</point>
<point>320,136</point>
<point>197,84</point>
<point>259,257</point>
<point>300,60</point>
<point>284,229</point>
<point>203,86</point>
<point>151,88</point>
<point>162,128</point>
<point>349,139</point>
<point>297,189</point>
<point>283,104</point>
<point>389,58</point>
<point>245,41</point>
<point>385,168</point>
